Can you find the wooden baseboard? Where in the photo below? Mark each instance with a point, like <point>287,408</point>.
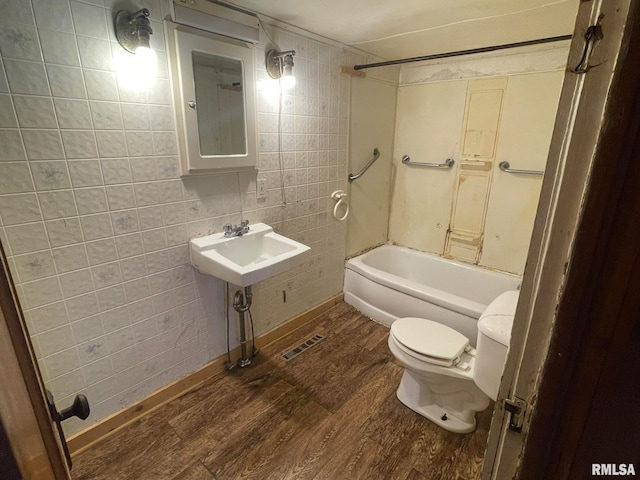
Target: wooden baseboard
<point>98,431</point>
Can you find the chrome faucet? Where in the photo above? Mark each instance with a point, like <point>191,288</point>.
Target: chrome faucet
<point>236,230</point>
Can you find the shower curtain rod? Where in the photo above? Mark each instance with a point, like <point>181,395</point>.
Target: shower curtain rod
<point>464,52</point>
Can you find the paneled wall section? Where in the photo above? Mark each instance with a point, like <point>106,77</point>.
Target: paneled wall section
<point>429,127</point>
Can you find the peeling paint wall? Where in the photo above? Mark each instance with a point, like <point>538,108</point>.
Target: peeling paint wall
<point>429,124</point>
<point>483,108</point>
<point>548,58</point>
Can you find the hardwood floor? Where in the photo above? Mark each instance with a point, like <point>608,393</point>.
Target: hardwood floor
<point>330,413</point>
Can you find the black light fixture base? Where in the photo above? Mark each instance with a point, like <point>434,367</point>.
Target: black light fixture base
<point>133,29</point>
<point>272,62</point>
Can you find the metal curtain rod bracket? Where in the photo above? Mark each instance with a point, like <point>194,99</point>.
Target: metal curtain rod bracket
<point>504,166</point>
<point>459,53</point>
<point>448,163</point>
<point>376,155</point>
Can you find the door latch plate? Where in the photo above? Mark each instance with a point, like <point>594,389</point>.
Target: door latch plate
<point>517,409</point>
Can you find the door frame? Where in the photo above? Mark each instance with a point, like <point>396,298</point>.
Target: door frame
<point>579,300</point>
<point>24,411</point>
<point>600,305</point>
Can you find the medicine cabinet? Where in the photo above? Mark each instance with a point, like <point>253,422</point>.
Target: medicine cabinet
<point>212,81</point>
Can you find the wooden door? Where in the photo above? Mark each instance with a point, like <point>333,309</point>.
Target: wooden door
<point>24,411</point>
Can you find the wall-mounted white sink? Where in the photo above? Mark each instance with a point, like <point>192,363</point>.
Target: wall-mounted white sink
<point>247,259</point>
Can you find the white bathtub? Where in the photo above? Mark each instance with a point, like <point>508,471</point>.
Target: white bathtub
<point>392,282</point>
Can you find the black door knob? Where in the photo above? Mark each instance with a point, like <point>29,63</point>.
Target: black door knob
<point>79,408</point>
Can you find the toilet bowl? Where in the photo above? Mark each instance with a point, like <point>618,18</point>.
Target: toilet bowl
<point>445,379</point>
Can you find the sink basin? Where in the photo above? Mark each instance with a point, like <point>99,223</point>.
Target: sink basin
<point>247,259</point>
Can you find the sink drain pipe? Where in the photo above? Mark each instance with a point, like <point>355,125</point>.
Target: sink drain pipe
<point>241,304</point>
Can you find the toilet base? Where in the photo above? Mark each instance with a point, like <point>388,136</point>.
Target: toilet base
<point>435,412</point>
<point>413,394</point>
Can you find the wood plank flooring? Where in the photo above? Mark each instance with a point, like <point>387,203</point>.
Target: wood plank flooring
<point>330,413</point>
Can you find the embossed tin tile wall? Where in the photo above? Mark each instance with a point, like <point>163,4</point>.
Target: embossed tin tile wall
<point>96,220</point>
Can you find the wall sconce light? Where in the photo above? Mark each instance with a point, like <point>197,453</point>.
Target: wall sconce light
<point>133,30</point>
<point>280,65</point>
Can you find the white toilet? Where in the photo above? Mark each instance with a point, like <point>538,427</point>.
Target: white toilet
<point>445,379</point>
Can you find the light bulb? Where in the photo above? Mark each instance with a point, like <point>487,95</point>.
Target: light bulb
<point>288,82</point>
<point>147,58</point>
<point>137,71</point>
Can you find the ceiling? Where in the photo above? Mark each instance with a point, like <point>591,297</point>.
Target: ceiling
<point>408,28</point>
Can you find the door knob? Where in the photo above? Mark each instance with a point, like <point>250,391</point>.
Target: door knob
<point>79,408</point>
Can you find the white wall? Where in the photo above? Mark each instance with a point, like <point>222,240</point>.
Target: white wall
<point>429,127</point>
<point>530,106</point>
<point>96,220</point>
<point>372,119</point>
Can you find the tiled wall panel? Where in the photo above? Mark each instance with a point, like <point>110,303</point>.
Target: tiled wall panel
<point>96,220</point>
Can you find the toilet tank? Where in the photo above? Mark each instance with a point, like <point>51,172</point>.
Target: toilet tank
<point>494,334</point>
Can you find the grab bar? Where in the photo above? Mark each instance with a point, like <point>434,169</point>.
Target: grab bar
<point>504,166</point>
<point>376,154</point>
<point>448,163</point>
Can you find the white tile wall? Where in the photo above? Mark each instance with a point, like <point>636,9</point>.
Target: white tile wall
<point>97,220</point>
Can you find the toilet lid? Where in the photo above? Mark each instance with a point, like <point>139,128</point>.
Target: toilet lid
<point>429,338</point>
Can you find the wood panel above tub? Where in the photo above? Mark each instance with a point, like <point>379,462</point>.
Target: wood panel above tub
<point>479,140</point>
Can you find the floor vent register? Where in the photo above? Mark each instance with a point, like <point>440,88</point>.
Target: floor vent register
<point>304,346</point>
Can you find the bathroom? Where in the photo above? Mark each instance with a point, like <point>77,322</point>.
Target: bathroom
<point>97,219</point>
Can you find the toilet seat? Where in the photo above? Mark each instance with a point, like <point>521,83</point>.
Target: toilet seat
<point>429,341</point>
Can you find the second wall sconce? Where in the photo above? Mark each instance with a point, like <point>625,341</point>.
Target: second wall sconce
<point>133,31</point>
<point>280,65</point>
